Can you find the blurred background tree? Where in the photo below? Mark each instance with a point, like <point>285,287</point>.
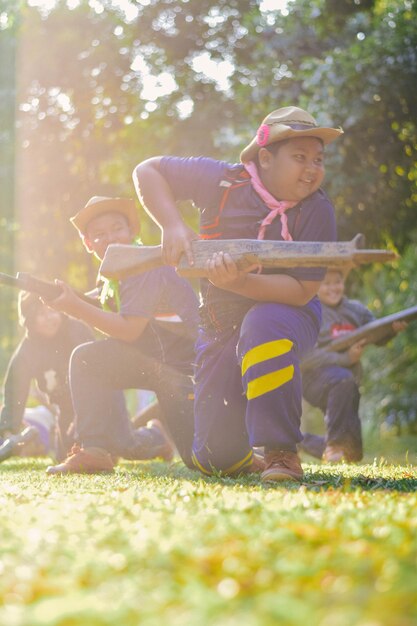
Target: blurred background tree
<point>390,392</point>
<point>8,28</point>
<point>103,84</point>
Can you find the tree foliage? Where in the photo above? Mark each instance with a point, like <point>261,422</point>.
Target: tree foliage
<point>369,82</point>
<point>85,113</point>
<point>390,381</point>
<point>7,180</point>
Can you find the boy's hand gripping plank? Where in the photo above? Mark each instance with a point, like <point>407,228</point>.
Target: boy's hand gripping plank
<point>376,332</point>
<point>121,261</point>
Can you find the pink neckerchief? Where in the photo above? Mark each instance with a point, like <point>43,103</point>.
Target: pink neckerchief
<point>275,206</point>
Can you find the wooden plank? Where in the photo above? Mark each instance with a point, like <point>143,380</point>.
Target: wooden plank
<point>121,261</point>
<point>46,290</point>
<point>375,332</point>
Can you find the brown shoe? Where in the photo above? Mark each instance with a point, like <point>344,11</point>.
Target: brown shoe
<point>337,453</point>
<point>282,465</point>
<point>333,454</point>
<point>258,464</point>
<point>84,461</point>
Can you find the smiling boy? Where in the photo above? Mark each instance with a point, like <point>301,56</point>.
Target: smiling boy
<point>256,325</point>
<point>141,351</point>
<point>331,379</point>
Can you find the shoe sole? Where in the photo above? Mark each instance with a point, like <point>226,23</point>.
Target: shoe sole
<point>277,476</point>
<point>61,472</point>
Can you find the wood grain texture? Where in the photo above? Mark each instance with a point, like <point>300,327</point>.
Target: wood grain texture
<point>121,261</point>
<point>375,332</point>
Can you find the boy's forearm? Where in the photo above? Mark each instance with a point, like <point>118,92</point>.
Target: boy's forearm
<point>277,288</point>
<point>155,194</point>
<point>322,358</point>
<point>109,323</point>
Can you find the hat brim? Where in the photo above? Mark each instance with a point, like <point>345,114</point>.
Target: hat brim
<point>125,206</point>
<point>281,132</point>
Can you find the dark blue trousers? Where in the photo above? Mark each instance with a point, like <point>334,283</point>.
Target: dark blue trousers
<point>248,386</point>
<point>334,390</point>
<point>99,371</point>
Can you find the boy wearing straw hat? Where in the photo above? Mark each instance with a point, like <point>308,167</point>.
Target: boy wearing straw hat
<point>256,325</point>
<point>142,350</point>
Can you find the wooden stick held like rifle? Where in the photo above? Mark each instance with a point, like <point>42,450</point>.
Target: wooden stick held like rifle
<point>121,261</point>
<point>377,332</point>
<point>46,290</point>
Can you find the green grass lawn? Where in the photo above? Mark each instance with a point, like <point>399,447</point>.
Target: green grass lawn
<point>159,545</point>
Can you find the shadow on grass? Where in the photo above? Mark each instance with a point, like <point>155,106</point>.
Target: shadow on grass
<point>338,480</point>
<point>316,478</point>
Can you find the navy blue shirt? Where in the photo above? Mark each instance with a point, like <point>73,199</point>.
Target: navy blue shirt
<point>345,317</point>
<point>205,181</point>
<point>170,304</point>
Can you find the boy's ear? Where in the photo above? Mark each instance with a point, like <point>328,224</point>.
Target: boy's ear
<point>264,158</point>
<point>87,245</point>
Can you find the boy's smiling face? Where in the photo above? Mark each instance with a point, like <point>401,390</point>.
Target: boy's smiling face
<point>110,227</point>
<point>332,289</point>
<point>295,171</point>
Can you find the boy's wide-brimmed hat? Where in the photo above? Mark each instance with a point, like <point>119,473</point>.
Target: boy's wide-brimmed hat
<point>287,123</point>
<point>97,205</point>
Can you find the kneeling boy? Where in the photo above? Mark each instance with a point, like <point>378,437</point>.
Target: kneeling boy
<point>331,379</point>
<point>141,351</point>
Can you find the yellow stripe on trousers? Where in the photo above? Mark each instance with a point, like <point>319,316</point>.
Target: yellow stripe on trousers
<point>247,460</point>
<point>240,464</point>
<point>199,466</point>
<point>265,351</point>
<point>268,382</point>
